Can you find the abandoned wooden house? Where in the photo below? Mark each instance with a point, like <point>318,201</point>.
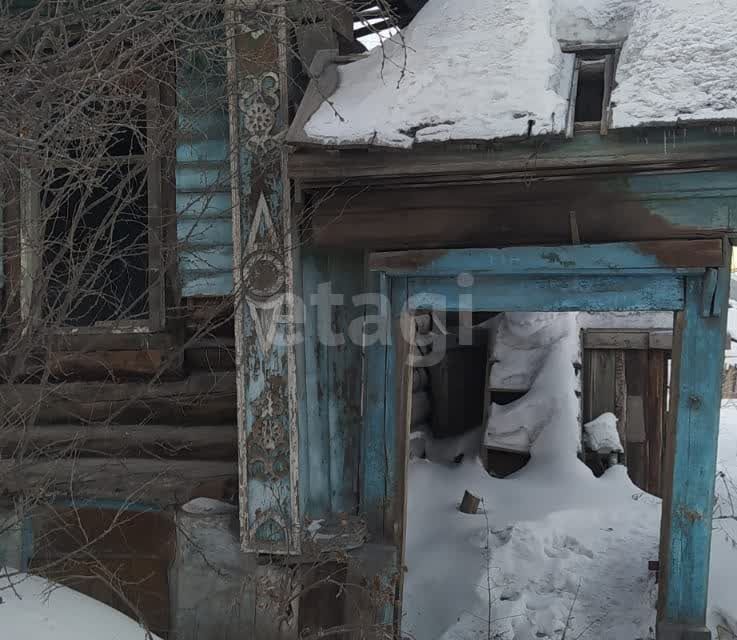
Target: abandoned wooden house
<point>454,184</point>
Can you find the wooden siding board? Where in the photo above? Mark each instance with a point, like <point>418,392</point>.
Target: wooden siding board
<point>655,412</point>
<point>344,383</point>
<point>696,383</point>
<point>202,174</point>
<point>375,455</point>
<point>315,465</point>
<point>600,383</point>
<point>562,293</point>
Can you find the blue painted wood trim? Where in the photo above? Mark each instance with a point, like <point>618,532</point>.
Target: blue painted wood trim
<point>314,436</point>
<point>557,293</point>
<point>330,422</point>
<point>344,382</point>
<point>394,420</point>
<point>202,171</point>
<point>375,455</point>
<point>617,258</point>
<point>105,503</point>
<point>696,388</point>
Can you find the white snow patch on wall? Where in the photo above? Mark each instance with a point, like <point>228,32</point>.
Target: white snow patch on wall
<point>678,63</point>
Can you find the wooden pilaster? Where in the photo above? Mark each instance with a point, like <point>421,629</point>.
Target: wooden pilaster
<point>691,466</point>
<point>264,250</point>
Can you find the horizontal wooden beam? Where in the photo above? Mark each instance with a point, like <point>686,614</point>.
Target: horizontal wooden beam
<point>555,293</point>
<point>219,442</point>
<point>608,209</point>
<point>615,258</point>
<point>703,148</point>
<point>201,397</point>
<point>129,479</point>
<point>626,339</point>
<point>110,340</point>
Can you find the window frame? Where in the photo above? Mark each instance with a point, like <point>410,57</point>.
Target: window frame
<point>606,55</point>
<point>161,244</point>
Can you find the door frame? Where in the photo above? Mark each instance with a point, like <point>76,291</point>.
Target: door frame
<point>688,277</point>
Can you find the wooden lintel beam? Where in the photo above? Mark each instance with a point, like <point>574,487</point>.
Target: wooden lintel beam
<point>613,259</point>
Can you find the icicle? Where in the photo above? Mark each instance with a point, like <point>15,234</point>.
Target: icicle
<point>665,143</point>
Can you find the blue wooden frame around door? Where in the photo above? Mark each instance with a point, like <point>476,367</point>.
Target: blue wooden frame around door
<point>688,277</point>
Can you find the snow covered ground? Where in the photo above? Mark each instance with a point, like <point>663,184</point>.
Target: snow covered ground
<point>33,609</point>
<point>561,548</point>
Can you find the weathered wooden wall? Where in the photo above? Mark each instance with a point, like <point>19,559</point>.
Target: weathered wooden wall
<point>607,209</point>
<point>330,385</point>
<point>631,384</point>
<point>161,434</point>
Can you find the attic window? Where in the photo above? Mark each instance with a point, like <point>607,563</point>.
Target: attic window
<point>591,90</point>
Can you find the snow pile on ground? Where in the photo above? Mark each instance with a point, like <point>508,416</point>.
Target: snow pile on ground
<point>474,69</point>
<point>553,547</point>
<point>560,542</point>
<point>601,434</point>
<point>678,63</point>
<point>535,351</point>
<point>33,609</point>
<point>722,597</point>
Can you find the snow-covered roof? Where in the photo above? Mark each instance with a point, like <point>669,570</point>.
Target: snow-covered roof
<point>489,69</point>
<point>678,63</point>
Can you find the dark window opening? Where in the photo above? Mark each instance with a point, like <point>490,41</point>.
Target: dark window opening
<point>95,218</point>
<point>96,245</point>
<point>590,91</point>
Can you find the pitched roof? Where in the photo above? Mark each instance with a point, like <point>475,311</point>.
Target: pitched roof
<point>489,69</point>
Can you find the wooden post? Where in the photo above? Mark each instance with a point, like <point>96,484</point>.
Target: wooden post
<point>656,369</point>
<point>687,507</point>
<point>264,249</point>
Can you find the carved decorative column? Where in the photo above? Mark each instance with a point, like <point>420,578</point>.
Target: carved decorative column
<point>264,280</point>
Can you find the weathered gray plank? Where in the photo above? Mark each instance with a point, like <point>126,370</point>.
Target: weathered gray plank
<point>609,339</point>
<point>201,397</point>
<point>218,442</point>
<point>134,480</point>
